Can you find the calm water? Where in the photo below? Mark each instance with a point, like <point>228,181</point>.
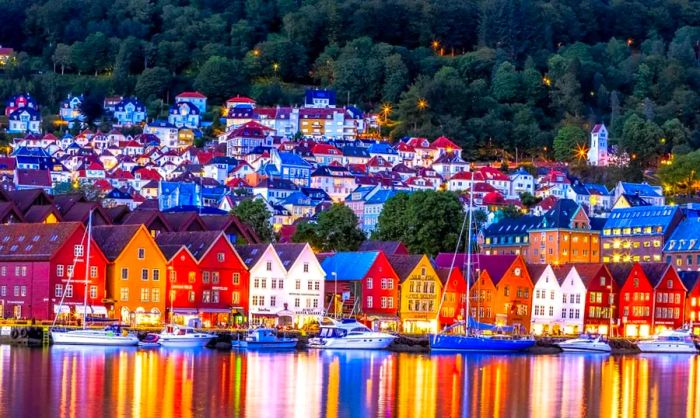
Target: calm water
<point>67,382</point>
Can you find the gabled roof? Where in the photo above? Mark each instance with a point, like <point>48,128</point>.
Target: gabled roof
<point>561,215</point>
<point>224,222</point>
<point>620,272</point>
<point>403,265</point>
<point>655,272</point>
<point>24,199</point>
<point>495,265</point>
<point>112,239</point>
<point>387,247</point>
<point>39,213</point>
<point>689,279</point>
<point>536,271</point>
<point>589,271</point>
<point>182,221</point>
<point>640,189</point>
<point>444,142</point>
<point>29,242</point>
<point>686,236</point>
<point>288,253</point>
<point>642,216</point>
<point>513,226</point>
<point>349,265</point>
<point>250,254</point>
<point>196,242</point>
<point>145,217</point>
<point>192,94</point>
<point>27,177</point>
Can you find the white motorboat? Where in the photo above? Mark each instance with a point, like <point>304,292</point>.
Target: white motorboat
<point>267,339</point>
<point>180,336</point>
<point>672,341</point>
<point>349,334</point>
<point>585,343</point>
<point>150,341</point>
<point>110,336</point>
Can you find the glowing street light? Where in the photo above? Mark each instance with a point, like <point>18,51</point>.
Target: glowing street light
<point>256,52</point>
<point>422,104</point>
<point>581,152</point>
<point>435,44</point>
<point>275,67</point>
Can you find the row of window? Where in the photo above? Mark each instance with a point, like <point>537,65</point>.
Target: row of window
<point>637,311</point>
<point>636,230</point>
<point>573,313</point>
<point>206,277</point>
<point>599,312</point>
<point>637,296</point>
<point>144,274</point>
<point>17,291</point>
<point>387,302</point>
<point>416,286</point>
<point>668,313</point>
<point>420,305</point>
<point>663,297</point>
<point>147,294</point>
<point>386,283</point>
<point>616,244</point>
<point>68,270</point>
<point>626,258</point>
<point>59,291</point>
<point>522,292</point>
<point>688,260</point>
<point>573,298</point>
<point>260,301</point>
<point>20,271</point>
<point>484,312</point>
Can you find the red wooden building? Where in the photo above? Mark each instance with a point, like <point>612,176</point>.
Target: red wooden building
<point>40,264</point>
<point>691,281</point>
<point>602,298</point>
<point>204,267</point>
<point>636,299</point>
<point>454,300</point>
<point>669,296</point>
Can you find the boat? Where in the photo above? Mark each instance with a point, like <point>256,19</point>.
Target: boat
<point>268,339</point>
<point>670,341</point>
<point>585,343</point>
<point>180,336</point>
<point>112,335</point>
<point>349,334</point>
<point>471,335</point>
<point>151,340</point>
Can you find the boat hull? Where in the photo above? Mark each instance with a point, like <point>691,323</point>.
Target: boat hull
<point>76,338</point>
<point>376,343</point>
<point>181,342</point>
<point>478,344</point>
<point>656,347</point>
<point>271,345</point>
<point>584,349</point>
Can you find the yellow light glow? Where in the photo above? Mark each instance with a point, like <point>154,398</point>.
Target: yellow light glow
<point>422,103</point>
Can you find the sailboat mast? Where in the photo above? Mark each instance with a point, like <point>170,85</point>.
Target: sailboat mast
<point>87,268</point>
<point>469,253</point>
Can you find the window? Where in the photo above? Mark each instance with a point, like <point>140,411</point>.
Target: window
<point>315,303</point>
<point>191,296</point>
<point>563,312</point>
<point>273,301</point>
<point>215,296</point>
<point>155,295</point>
<point>156,275</point>
<point>215,277</point>
<point>551,311</point>
<point>77,250</point>
<point>263,283</point>
<point>236,297</point>
<point>297,302</point>
<point>59,270</point>
<point>58,292</point>
<point>145,294</point>
<point>144,274</point>
<point>125,273</point>
<point>206,296</point>
<point>191,277</point>
<point>317,285</point>
<point>578,298</point>
<point>369,301</point>
<point>70,271</point>
<point>602,281</point>
<point>369,283</point>
<point>564,297</point>
<point>237,278</point>
<point>3,290</point>
<point>310,285</point>
<point>93,271</point>
<point>141,253</point>
<point>269,266</point>
<point>205,277</point>
<point>220,257</point>
<point>383,302</point>
<point>124,294</point>
<point>297,285</point>
<point>306,267</point>
<point>69,290</point>
<point>506,291</point>
<point>16,291</point>
<point>256,283</point>
<point>280,283</point>
<point>93,292</point>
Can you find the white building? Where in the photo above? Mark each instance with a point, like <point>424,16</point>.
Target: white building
<point>165,131</point>
<point>286,283</point>
<point>598,152</point>
<point>573,294</point>
<point>521,182</point>
<point>546,299</point>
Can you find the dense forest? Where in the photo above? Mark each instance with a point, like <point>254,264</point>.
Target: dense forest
<point>507,76</point>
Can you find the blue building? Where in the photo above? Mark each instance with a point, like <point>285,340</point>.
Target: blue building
<point>373,208</point>
<point>682,249</point>
<point>292,167</point>
<point>319,98</point>
<point>130,111</point>
<point>184,115</point>
<point>175,194</point>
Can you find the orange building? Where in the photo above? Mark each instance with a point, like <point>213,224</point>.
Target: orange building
<point>136,282</point>
<point>565,235</point>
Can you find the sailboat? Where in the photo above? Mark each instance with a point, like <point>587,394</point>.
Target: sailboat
<point>109,336</point>
<point>468,335</point>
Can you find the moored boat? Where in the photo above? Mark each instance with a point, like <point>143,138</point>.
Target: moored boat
<point>479,342</point>
<point>268,339</point>
<point>180,336</point>
<point>671,341</point>
<point>585,343</point>
<point>349,334</point>
<point>151,340</point>
<point>112,335</point>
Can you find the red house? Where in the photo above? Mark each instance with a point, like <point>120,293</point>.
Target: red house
<point>42,263</point>
<point>636,301</point>
<point>602,298</point>
<point>220,277</point>
<point>454,302</point>
<point>369,277</point>
<point>669,296</point>
<point>691,281</point>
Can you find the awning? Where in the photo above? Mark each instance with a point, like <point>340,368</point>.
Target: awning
<point>285,312</point>
<point>98,310</point>
<point>185,311</point>
<point>61,309</point>
<point>215,310</point>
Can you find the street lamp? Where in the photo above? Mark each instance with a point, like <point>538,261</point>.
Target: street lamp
<point>610,310</point>
<point>335,294</point>
<point>422,103</point>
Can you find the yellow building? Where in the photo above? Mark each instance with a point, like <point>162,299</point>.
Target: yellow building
<point>136,273</point>
<point>420,290</point>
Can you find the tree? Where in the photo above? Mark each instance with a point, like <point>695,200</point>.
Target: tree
<point>220,78</point>
<point>682,176</point>
<point>428,222</point>
<point>335,230</point>
<point>62,57</point>
<point>506,83</point>
<point>511,211</point>
<point>153,83</point>
<point>528,200</point>
<point>641,139</point>
<point>255,214</point>
<point>570,140</point>
<point>91,108</point>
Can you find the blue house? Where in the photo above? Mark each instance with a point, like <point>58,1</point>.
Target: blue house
<point>319,98</point>
<point>175,194</point>
<point>69,109</point>
<point>33,158</point>
<point>130,111</point>
<point>24,120</point>
<point>291,166</point>
<point>682,249</point>
<point>184,115</point>
<point>274,189</point>
<point>373,208</point>
<point>385,151</point>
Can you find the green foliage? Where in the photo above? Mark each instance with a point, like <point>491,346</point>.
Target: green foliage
<point>335,230</point>
<point>641,139</point>
<point>528,200</point>
<point>219,78</point>
<point>682,176</point>
<point>569,139</point>
<point>427,222</point>
<point>153,83</point>
<point>511,211</point>
<point>255,214</point>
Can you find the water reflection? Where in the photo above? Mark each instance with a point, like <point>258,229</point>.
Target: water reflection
<point>68,382</point>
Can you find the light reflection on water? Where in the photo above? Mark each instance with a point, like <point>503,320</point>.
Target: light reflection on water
<point>87,382</point>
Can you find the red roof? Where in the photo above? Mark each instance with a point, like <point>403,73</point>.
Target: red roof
<point>444,142</point>
<point>597,128</point>
<point>405,147</point>
<point>548,202</point>
<point>493,198</point>
<point>6,51</point>
<point>103,185</point>
<point>240,99</point>
<point>467,175</point>
<point>250,129</point>
<point>192,94</point>
<point>325,149</point>
<point>95,166</point>
<point>484,188</point>
<point>419,143</point>
<point>491,173</point>
<point>148,174</point>
<point>236,183</point>
<point>378,161</point>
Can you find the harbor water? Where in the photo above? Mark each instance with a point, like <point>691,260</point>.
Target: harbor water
<point>130,382</point>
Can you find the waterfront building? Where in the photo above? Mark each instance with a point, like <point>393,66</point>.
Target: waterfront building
<point>602,301</point>
<point>387,247</point>
<point>638,234</point>
<point>546,300</point>
<point>669,296</point>
<point>42,265</point>
<point>136,282</point>
<point>286,284</point>
<point>572,280</point>
<point>682,249</point>
<point>454,299</point>
<point>220,278</point>
<point>566,234</point>
<point>691,282</point>
<point>420,292</point>
<point>364,284</point>
<point>636,299</point>
<point>509,236</point>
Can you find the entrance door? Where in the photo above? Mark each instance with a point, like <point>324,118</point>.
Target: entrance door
<point>17,311</point>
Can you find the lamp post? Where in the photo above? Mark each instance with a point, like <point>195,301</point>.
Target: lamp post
<point>610,309</point>
<point>335,294</point>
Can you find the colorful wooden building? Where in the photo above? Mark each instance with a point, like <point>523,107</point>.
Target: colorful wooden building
<point>636,299</point>
<point>691,281</point>
<point>602,300</point>
<point>420,291</point>
<point>454,298</point>
<point>669,296</point>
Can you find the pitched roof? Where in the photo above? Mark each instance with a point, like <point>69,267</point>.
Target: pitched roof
<point>588,271</point>
<point>535,271</point>
<point>27,177</point>
<point>349,265</point>
<point>620,272</point>
<point>403,265</point>
<point>112,239</point>
<point>39,213</point>
<point>561,214</point>
<point>196,242</point>
<point>654,272</point>
<point>250,254</point>
<point>388,247</point>
<point>288,253</point>
<point>34,241</point>
<point>689,279</point>
<point>686,236</point>
<point>642,216</point>
<point>495,265</point>
<point>513,226</point>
